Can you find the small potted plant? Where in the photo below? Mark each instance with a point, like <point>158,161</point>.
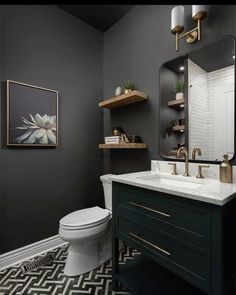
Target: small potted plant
<point>169,128</point>
<point>129,86</point>
<point>179,89</point>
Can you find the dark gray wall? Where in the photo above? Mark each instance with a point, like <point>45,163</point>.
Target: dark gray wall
<point>45,46</point>
<point>134,49</point>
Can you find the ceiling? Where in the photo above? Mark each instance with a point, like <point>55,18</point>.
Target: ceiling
<point>211,57</point>
<point>216,55</point>
<point>102,17</point>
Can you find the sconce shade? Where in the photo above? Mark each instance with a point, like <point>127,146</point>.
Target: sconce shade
<point>177,19</point>
<point>199,12</point>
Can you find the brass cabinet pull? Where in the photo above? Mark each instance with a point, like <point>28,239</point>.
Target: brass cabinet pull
<point>144,207</point>
<point>154,246</point>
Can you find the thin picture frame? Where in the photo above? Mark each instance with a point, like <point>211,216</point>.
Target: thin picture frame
<point>32,97</point>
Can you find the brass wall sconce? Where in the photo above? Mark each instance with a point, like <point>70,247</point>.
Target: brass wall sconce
<point>199,12</point>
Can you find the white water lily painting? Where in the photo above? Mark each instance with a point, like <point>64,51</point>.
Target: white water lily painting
<point>32,115</point>
<point>41,129</point>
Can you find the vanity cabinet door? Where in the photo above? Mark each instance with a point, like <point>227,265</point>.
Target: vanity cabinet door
<point>191,263</point>
<point>194,240</point>
<point>177,216</point>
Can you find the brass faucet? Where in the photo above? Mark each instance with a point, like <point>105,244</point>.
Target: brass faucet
<point>195,151</point>
<point>185,153</point>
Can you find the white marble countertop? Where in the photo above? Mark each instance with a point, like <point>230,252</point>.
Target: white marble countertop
<point>209,190</point>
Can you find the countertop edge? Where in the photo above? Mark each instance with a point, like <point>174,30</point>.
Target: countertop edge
<point>176,193</point>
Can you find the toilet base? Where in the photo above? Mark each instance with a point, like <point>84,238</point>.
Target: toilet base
<point>81,259</point>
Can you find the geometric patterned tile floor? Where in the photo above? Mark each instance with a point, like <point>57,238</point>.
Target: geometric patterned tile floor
<point>50,280</point>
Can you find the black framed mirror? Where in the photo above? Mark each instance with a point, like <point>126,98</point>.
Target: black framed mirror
<point>197,102</point>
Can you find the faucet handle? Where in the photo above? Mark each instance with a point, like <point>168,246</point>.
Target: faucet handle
<point>200,170</point>
<point>174,172</point>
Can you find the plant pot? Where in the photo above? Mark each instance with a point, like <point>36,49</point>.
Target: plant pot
<point>179,95</point>
<point>128,91</point>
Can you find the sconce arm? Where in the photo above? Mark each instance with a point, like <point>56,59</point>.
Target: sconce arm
<point>192,35</point>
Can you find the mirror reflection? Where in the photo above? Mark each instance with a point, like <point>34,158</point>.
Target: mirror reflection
<point>197,102</point>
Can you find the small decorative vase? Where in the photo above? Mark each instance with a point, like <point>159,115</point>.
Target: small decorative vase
<point>127,91</point>
<point>116,131</point>
<point>179,95</point>
<point>118,91</point>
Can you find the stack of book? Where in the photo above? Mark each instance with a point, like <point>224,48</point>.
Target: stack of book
<point>112,139</point>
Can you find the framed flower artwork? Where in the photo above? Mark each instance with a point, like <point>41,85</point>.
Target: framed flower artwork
<point>32,115</point>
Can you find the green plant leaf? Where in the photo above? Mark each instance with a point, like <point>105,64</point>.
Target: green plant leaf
<point>129,85</point>
<point>178,86</point>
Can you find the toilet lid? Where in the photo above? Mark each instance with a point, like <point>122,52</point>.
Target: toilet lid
<point>85,218</point>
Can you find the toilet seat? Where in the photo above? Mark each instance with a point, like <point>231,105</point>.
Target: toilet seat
<point>85,218</point>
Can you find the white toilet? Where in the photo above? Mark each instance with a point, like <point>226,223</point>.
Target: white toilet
<point>89,233</point>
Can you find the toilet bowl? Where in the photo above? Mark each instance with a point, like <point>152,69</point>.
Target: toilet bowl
<point>88,232</point>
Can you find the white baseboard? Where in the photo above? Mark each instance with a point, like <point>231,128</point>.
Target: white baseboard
<point>27,252</point>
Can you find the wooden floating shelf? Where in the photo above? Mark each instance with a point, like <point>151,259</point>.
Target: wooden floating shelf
<point>123,146</point>
<point>176,104</point>
<point>179,128</point>
<point>122,100</point>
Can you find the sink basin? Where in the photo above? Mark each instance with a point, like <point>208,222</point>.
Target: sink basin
<point>176,180</point>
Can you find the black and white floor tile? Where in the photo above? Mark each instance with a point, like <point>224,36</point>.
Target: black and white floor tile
<point>49,279</point>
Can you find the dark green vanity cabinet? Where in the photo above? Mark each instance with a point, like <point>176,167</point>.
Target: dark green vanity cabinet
<point>187,246</point>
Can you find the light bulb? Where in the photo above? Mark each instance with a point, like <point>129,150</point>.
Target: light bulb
<point>177,19</point>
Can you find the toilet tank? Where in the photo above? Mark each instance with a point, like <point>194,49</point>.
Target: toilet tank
<point>107,189</point>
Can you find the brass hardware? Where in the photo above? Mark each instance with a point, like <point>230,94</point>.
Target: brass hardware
<point>150,209</point>
<point>200,170</point>
<point>195,151</point>
<point>178,29</point>
<point>226,172</point>
<point>200,15</point>
<point>191,35</point>
<point>177,41</point>
<point>154,246</point>
<point>185,153</point>
<point>174,172</point>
